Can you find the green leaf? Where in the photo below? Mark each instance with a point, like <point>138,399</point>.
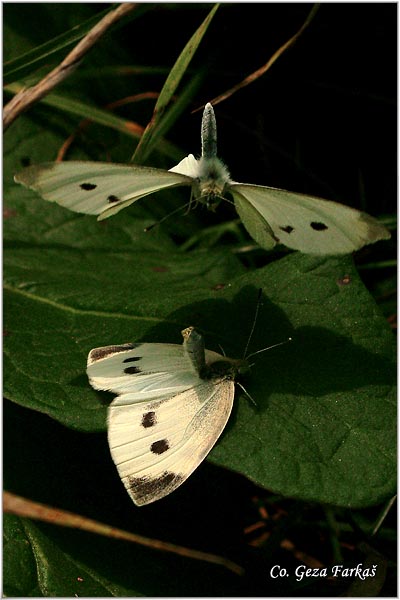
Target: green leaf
<point>18,561</point>
<point>326,401</point>
<point>325,425</point>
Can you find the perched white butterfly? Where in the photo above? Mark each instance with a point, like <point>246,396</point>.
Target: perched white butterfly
<point>270,215</point>
<point>172,405</point>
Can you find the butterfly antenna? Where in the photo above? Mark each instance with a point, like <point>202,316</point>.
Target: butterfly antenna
<point>254,323</point>
<point>146,229</point>
<point>247,393</point>
<point>222,350</point>
<point>269,347</point>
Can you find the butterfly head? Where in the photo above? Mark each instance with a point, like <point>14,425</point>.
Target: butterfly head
<point>227,369</point>
<point>212,179</point>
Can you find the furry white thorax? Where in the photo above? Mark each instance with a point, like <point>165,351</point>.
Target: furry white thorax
<point>210,174</point>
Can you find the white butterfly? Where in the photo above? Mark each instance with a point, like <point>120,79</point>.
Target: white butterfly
<point>270,215</point>
<point>172,405</point>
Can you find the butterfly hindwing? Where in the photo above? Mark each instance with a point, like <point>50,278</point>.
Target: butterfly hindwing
<point>97,188</point>
<point>156,445</point>
<point>304,223</point>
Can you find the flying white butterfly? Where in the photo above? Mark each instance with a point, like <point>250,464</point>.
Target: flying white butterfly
<point>172,405</point>
<point>270,215</point>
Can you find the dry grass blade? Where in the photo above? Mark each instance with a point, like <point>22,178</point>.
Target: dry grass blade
<point>259,72</point>
<point>27,97</point>
<point>23,507</point>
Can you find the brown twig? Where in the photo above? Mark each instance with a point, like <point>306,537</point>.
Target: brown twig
<point>28,96</point>
<point>259,72</point>
<point>23,507</point>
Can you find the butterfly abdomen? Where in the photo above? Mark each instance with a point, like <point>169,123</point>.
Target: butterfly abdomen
<point>210,367</point>
<point>193,347</point>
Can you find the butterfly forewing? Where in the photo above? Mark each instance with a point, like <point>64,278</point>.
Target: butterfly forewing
<point>304,223</point>
<point>97,188</point>
<point>141,371</point>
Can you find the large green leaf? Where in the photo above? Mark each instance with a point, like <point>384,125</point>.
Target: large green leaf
<point>325,415</point>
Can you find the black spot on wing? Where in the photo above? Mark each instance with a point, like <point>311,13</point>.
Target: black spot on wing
<point>113,198</point>
<point>318,226</point>
<point>132,370</point>
<point>146,489</point>
<point>149,419</point>
<point>132,359</point>
<point>287,229</point>
<point>88,187</point>
<point>159,447</point>
<point>98,353</point>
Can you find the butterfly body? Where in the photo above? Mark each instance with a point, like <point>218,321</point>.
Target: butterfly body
<point>213,181</point>
<point>172,405</point>
<point>270,215</point>
<point>211,178</point>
